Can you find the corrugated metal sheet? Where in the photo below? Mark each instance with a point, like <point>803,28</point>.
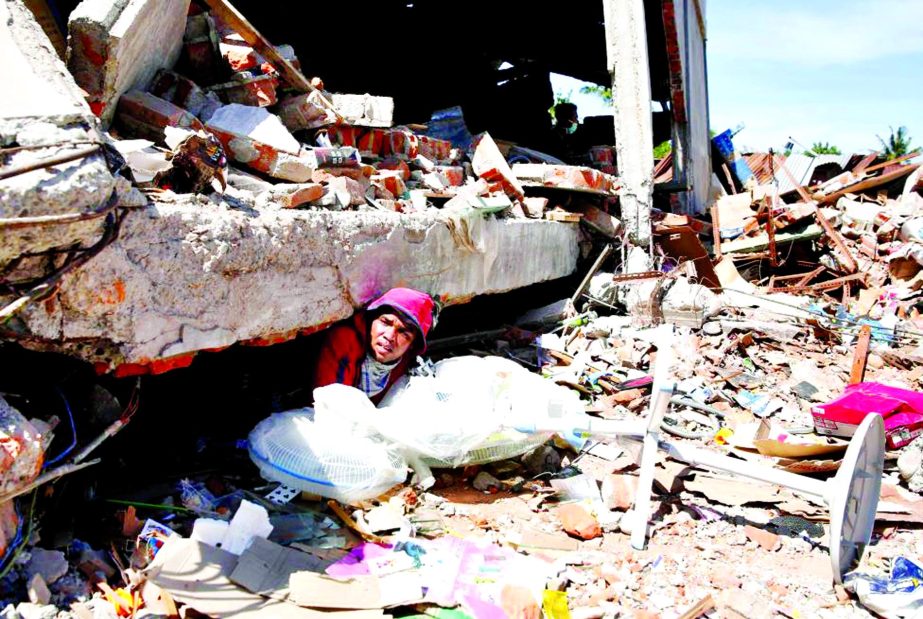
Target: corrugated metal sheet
<point>802,168</point>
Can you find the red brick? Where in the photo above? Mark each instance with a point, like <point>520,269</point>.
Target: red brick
<point>619,491</point>
<point>577,521</point>
<point>143,115</point>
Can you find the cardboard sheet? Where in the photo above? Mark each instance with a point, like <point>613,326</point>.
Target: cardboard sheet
<point>198,576</point>
<point>360,592</point>
<point>264,568</point>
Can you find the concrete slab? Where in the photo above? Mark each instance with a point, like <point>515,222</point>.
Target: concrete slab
<point>116,46</point>
<point>44,117</point>
<point>201,275</point>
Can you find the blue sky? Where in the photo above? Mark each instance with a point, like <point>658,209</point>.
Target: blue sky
<point>838,71</point>
<point>832,71</point>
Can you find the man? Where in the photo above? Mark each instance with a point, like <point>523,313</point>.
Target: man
<point>567,141</point>
<point>375,347</point>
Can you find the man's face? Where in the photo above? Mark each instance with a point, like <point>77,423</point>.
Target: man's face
<point>391,337</point>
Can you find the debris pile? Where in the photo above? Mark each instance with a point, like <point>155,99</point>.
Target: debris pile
<point>237,116</point>
<point>793,315</point>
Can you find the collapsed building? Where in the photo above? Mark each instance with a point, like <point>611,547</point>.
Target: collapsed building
<point>186,275</point>
<point>174,184</point>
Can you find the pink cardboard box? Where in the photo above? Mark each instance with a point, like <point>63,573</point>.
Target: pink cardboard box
<point>901,409</point>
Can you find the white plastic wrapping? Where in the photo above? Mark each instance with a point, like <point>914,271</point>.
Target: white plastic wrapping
<point>348,450</point>
<point>323,458</point>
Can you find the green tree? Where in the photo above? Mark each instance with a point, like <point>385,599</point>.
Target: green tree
<point>825,148</point>
<point>663,149</point>
<point>602,92</point>
<point>898,143</point>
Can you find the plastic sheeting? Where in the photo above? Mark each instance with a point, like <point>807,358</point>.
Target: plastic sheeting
<point>461,414</point>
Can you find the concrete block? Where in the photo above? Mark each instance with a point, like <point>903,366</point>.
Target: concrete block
<point>304,111</point>
<point>185,93</point>
<point>578,178</point>
<point>364,110</point>
<point>114,47</point>
<point>286,195</point>
<point>143,115</point>
<point>348,190</point>
<point>22,447</point>
<point>200,58</point>
<point>258,139</point>
<point>222,275</point>
<point>259,91</point>
<point>489,164</point>
<point>618,491</point>
<point>238,55</point>
<point>45,107</point>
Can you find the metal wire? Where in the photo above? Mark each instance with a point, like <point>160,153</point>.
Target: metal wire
<point>854,323</point>
<point>73,444</point>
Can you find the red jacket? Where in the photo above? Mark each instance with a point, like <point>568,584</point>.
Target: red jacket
<point>343,351</point>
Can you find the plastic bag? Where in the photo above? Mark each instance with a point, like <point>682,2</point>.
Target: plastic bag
<point>460,415</point>
<point>323,458</point>
<point>897,596</point>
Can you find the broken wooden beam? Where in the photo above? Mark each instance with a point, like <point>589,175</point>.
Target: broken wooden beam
<point>860,357</point>
<point>289,74</point>
<point>847,261</point>
<point>586,280</point>
<point>749,245</point>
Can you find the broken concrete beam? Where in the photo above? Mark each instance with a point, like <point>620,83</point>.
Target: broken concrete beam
<point>575,178</point>
<point>258,91</point>
<point>222,275</point>
<point>254,137</point>
<point>114,47</point>
<point>488,163</point>
<point>185,93</point>
<point>143,115</point>
<point>45,107</point>
<point>364,110</point>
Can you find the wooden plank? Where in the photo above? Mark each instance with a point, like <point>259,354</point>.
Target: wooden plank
<point>848,262</point>
<point>761,242</point>
<point>885,164</point>
<point>586,280</point>
<point>869,183</point>
<point>292,76</point>
<point>705,605</point>
<point>860,357</point>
